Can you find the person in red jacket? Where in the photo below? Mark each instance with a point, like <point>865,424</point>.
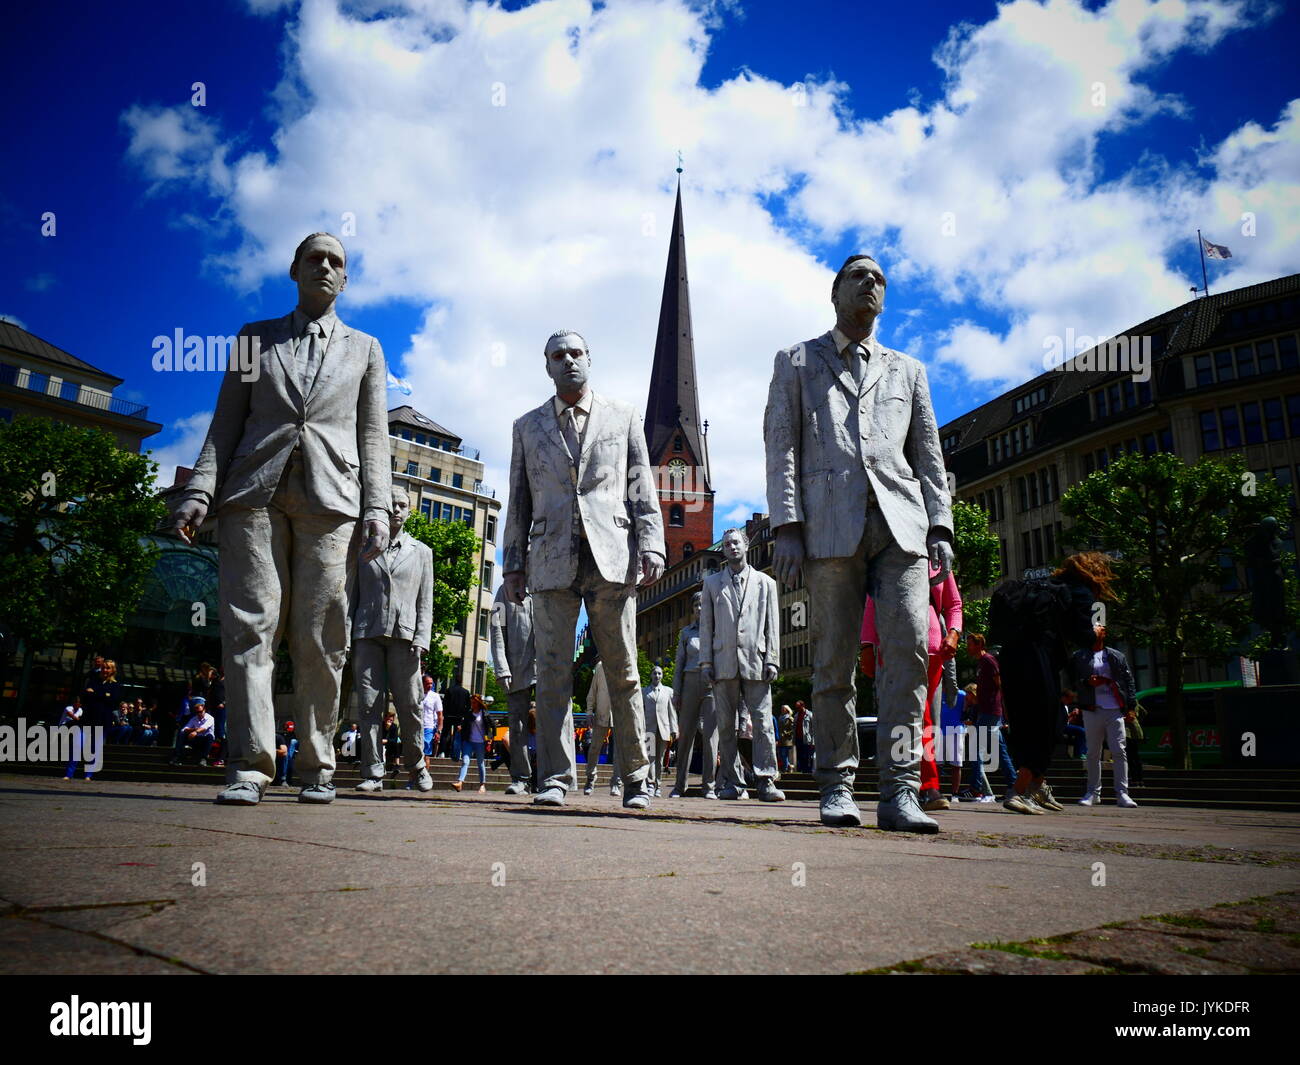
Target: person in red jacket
<point>945,633</point>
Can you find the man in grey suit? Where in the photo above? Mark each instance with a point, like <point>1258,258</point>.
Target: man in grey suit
<point>660,726</point>
<point>600,721</point>
<point>390,631</point>
<point>296,466</point>
<point>695,712</point>
<point>583,523</point>
<point>858,498</point>
<point>740,655</point>
<point>514,659</point>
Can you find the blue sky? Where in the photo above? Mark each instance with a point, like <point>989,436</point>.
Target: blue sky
<point>482,228</point>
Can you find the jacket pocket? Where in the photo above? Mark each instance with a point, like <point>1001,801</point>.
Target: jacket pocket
<point>622,521</point>
<point>538,527</point>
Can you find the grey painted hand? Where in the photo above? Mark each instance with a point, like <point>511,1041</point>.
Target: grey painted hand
<point>504,680</point>
<point>376,540</point>
<point>516,586</point>
<point>706,675</point>
<point>769,673</point>
<point>187,518</point>
<point>652,566</point>
<point>940,557</point>
<point>787,557</point>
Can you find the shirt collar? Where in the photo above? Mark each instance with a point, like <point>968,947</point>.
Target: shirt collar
<point>583,405</point>
<point>300,320</point>
<point>841,341</point>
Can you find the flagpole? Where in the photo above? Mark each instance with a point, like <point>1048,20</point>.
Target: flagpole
<point>1200,244</point>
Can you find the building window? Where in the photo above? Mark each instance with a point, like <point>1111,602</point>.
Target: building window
<point>1223,366</point>
<point>1245,361</point>
<point>1273,423</point>
<point>1089,464</point>
<point>1002,548</point>
<point>1267,356</point>
<point>420,438</point>
<point>1025,549</point>
<point>1130,394</point>
<point>1024,494</point>
<point>688,549</point>
<point>677,443</point>
<point>1293,414</point>
<point>426,508</point>
<point>1251,424</point>
<point>490,528</point>
<point>1286,353</point>
<point>1204,370</point>
<point>435,475</point>
<point>480,678</point>
<point>413,469</point>
<point>38,382</point>
<point>487,573</point>
<point>69,390</point>
<point>483,616</point>
<point>676,516</point>
<point>1049,548</point>
<point>8,374</point>
<point>1231,427</point>
<point>1209,431</point>
<point>457,480</point>
<point>1038,547</point>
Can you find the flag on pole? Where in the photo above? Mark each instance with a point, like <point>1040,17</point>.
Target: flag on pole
<point>1215,251</point>
<point>398,385</point>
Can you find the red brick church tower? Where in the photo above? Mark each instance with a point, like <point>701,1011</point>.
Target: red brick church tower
<point>678,444</point>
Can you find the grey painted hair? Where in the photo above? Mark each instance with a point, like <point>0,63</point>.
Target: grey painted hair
<point>312,236</point>
<point>835,285</point>
<point>567,333</point>
<point>739,532</point>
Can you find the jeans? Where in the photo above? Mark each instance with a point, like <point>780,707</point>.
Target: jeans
<point>981,781</point>
<point>428,743</point>
<point>1106,727</point>
<point>474,750</point>
<point>284,766</point>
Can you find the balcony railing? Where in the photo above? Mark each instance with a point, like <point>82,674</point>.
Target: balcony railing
<point>71,393</point>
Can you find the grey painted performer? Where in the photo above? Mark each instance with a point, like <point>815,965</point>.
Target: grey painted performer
<point>695,709</point>
<point>740,656</point>
<point>583,524</point>
<point>514,660</point>
<point>600,720</point>
<point>390,631</point>
<point>858,500</point>
<point>660,725</point>
<point>296,466</point>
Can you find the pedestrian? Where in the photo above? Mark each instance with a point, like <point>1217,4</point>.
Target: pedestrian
<point>1107,694</point>
<point>785,739</point>
<point>1038,624</point>
<point>474,730</point>
<point>101,696</point>
<point>1076,737</point>
<point>1133,736</point>
<point>431,711</point>
<point>990,720</point>
<point>71,719</point>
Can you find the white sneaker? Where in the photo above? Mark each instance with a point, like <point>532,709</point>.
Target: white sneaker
<point>1090,798</point>
<point>1123,800</point>
<point>370,785</point>
<point>587,790</point>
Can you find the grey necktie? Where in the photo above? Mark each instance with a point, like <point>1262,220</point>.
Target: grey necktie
<point>571,433</point>
<point>309,349</point>
<point>737,586</point>
<point>855,357</point>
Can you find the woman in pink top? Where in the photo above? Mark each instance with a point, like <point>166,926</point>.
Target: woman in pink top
<point>945,613</point>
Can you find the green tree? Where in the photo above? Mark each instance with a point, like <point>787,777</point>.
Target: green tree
<point>74,511</point>
<point>1177,534</point>
<point>454,547</point>
<point>977,563</point>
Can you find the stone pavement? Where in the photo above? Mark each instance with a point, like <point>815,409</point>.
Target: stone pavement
<point>151,878</point>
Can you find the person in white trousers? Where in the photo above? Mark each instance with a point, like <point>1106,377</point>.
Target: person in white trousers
<point>1107,691</point>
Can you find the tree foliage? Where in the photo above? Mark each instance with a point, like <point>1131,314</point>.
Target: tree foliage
<point>74,511</point>
<point>977,563</point>
<point>454,547</point>
<point>1178,535</point>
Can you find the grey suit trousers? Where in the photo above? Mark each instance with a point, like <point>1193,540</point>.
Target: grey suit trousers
<point>381,665</point>
<point>611,615</point>
<point>598,736</point>
<point>837,590</point>
<point>758,698</point>
<point>521,766</point>
<point>284,568</point>
<point>655,749</point>
<point>696,715</point>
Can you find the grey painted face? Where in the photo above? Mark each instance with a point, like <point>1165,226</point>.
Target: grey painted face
<point>568,364</point>
<point>733,547</point>
<point>401,510</point>
<point>320,272</point>
<point>658,674</point>
<point>695,605</point>
<point>861,291</point>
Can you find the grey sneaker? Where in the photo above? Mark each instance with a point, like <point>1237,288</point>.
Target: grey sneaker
<point>518,787</point>
<point>636,798</point>
<point>838,810</point>
<point>549,797</point>
<point>733,793</point>
<point>1022,804</point>
<point>1122,800</point>
<point>370,785</point>
<point>586,791</point>
<point>317,793</point>
<point>709,793</point>
<point>240,793</point>
<point>421,780</point>
<point>1090,798</point>
<point>769,792</point>
<point>901,812</point>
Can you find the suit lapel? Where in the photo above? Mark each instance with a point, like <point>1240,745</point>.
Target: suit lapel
<point>284,345</point>
<point>551,427</point>
<point>595,421</point>
<point>826,349</point>
<point>875,368</point>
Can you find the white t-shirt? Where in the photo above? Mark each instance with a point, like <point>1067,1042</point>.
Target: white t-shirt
<point>431,704</point>
<point>201,721</point>
<point>1105,693</point>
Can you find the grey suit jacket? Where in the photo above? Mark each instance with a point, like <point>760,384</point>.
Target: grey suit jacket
<point>740,642</point>
<point>830,444</point>
<point>599,707</point>
<point>612,494</point>
<point>688,653</point>
<point>660,715</point>
<point>511,642</point>
<point>395,594</point>
<point>342,424</point>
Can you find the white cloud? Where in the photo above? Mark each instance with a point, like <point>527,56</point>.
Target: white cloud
<point>553,209</point>
<point>184,440</point>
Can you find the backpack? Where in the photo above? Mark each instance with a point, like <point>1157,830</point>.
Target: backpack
<point>1028,611</point>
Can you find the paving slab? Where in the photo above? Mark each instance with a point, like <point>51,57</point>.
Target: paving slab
<point>409,883</point>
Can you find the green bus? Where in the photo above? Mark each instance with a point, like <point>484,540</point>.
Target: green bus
<point>1202,715</point>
